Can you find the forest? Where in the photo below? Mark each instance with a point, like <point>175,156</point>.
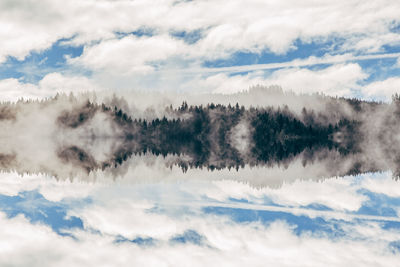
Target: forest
<point>213,136</point>
<point>205,134</point>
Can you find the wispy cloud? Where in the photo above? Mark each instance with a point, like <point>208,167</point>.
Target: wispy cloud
<point>310,61</point>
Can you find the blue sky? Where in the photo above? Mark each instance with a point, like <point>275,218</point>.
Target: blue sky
<point>37,64</point>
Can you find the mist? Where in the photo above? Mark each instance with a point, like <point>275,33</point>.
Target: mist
<point>263,137</point>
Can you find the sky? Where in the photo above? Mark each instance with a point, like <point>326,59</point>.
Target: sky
<point>340,48</point>
<point>348,220</point>
<point>157,217</point>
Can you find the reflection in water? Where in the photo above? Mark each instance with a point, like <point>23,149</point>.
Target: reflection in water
<point>200,184</point>
<point>58,222</point>
<point>68,137</point>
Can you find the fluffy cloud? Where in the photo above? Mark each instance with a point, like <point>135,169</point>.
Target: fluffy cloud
<point>56,82</point>
<point>13,89</point>
<point>382,90</point>
<point>382,184</point>
<point>118,209</point>
<point>11,184</point>
<point>226,242</point>
<point>222,83</point>
<point>337,194</point>
<point>243,26</point>
<point>336,80</point>
<point>118,59</point>
<point>129,54</point>
<point>373,43</point>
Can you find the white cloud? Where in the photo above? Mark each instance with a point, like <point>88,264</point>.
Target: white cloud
<point>382,90</point>
<point>336,80</point>
<point>29,26</point>
<point>11,184</point>
<point>310,61</point>
<point>13,89</point>
<point>384,184</point>
<point>373,43</point>
<point>118,209</point>
<point>127,61</point>
<point>56,82</point>
<point>247,26</point>
<point>129,54</point>
<point>222,83</point>
<point>338,194</point>
<point>24,244</point>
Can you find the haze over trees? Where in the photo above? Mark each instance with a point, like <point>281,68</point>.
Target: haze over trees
<point>213,136</point>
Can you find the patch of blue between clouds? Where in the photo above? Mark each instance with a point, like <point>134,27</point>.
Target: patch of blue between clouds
<point>140,241</point>
<point>302,51</point>
<point>394,246</point>
<point>141,32</point>
<point>377,69</point>
<point>238,200</point>
<point>37,209</point>
<point>173,211</point>
<point>267,201</point>
<point>188,237</point>
<point>301,224</point>
<point>264,200</point>
<point>395,28</point>
<point>38,64</point>
<point>388,225</point>
<point>378,204</point>
<point>189,37</point>
<point>317,206</point>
